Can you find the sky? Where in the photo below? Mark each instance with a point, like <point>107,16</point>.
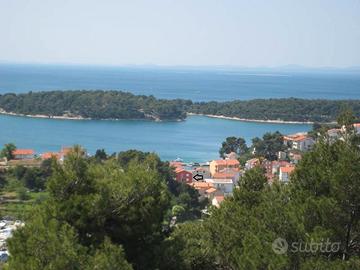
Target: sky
<point>313,33</point>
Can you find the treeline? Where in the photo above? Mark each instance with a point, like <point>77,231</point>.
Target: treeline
<point>286,109</point>
<point>94,104</point>
<point>122,105</point>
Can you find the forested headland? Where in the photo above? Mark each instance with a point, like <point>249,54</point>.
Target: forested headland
<point>123,105</point>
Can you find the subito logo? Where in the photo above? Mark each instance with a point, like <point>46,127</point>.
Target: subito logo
<point>280,246</point>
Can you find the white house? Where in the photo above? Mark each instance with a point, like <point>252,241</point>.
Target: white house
<point>299,141</point>
<point>224,185</point>
<point>217,200</point>
<point>284,173</point>
<point>23,153</point>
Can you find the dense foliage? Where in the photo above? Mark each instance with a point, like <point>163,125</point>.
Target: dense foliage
<point>93,104</point>
<point>102,212</point>
<point>286,109</point>
<point>122,105</point>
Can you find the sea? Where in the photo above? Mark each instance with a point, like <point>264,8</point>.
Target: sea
<point>196,139</point>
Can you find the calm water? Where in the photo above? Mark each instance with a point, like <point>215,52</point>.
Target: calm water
<point>196,139</point>
<point>196,85</point>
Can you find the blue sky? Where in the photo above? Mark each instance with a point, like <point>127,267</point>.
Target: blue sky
<point>253,33</point>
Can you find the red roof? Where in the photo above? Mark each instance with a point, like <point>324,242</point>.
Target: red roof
<point>296,137</point>
<point>221,175</point>
<point>288,169</point>
<point>179,170</point>
<point>23,152</point>
<point>201,185</point>
<point>49,155</point>
<point>227,162</point>
<point>211,190</point>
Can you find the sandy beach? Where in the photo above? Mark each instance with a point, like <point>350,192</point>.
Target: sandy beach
<point>252,120</point>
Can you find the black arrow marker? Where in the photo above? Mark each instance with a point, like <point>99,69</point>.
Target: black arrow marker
<point>198,177</point>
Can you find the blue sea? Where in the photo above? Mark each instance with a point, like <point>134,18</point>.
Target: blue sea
<point>196,139</point>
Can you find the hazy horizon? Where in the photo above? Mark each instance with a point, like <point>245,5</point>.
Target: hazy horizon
<point>256,34</point>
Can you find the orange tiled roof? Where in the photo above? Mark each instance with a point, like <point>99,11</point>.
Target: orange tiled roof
<point>295,137</point>
<point>178,170</point>
<point>288,169</point>
<point>357,125</point>
<point>211,190</point>
<point>49,155</point>
<point>201,185</point>
<point>23,152</point>
<point>221,175</point>
<point>227,162</point>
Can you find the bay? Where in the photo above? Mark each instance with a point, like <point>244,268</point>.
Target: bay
<point>197,139</point>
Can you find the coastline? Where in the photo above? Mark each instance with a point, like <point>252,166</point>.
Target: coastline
<point>252,120</point>
<point>65,117</point>
<point>2,111</point>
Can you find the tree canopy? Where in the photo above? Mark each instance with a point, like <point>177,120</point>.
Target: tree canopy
<point>124,105</point>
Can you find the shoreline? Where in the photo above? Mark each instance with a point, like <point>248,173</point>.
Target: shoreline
<point>3,112</point>
<point>42,116</point>
<point>253,120</point>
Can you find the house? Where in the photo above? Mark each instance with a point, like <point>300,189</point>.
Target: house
<point>176,164</point>
<point>295,158</point>
<point>299,141</point>
<point>284,173</point>
<point>211,193</point>
<point>183,176</point>
<point>23,154</point>
<point>334,134</point>
<point>217,200</point>
<point>282,155</point>
<point>48,155</point>
<point>252,163</point>
<point>226,186</point>
<point>272,167</point>
<point>222,165</point>
<point>204,171</point>
<point>233,175</point>
<point>203,188</point>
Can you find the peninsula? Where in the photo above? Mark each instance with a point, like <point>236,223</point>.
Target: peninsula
<point>98,104</point>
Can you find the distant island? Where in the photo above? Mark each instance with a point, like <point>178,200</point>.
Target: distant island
<point>86,104</point>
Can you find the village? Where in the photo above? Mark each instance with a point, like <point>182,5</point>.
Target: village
<point>214,179</point>
<point>217,179</point>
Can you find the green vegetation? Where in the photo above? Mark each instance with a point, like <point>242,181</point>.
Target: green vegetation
<point>114,213</point>
<point>123,105</point>
<point>94,104</point>
<point>7,151</point>
<point>233,144</point>
<point>286,109</point>
<point>266,147</point>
